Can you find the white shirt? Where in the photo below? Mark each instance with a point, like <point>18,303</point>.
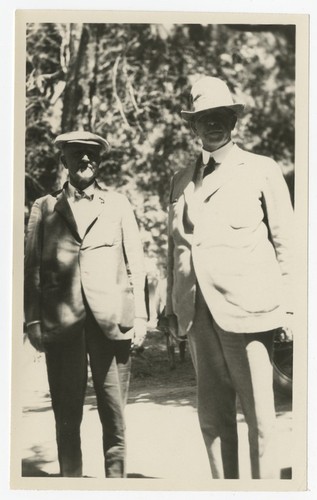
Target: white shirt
<point>219,155</point>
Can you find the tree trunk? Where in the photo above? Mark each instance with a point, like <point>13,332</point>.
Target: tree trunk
<point>74,91</point>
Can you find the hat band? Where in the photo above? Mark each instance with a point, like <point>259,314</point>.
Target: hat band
<point>82,141</point>
<point>204,103</point>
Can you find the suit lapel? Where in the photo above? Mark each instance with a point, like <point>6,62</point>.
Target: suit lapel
<point>188,202</point>
<point>224,173</point>
<point>99,207</point>
<point>184,185</point>
<point>182,196</point>
<point>62,207</point>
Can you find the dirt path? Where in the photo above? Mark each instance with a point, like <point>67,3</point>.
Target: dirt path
<point>163,435</point>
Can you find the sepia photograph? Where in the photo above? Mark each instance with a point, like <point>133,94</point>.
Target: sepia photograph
<point>159,328</point>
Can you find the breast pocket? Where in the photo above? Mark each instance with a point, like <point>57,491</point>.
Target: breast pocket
<point>103,235</point>
<point>243,215</point>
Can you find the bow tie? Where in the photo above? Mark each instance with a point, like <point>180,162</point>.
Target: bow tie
<point>80,195</point>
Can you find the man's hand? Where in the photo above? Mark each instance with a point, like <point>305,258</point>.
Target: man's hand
<point>286,334</point>
<point>139,333</point>
<point>34,333</point>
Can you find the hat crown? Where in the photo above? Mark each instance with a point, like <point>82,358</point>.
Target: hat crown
<point>210,92</point>
<point>81,137</point>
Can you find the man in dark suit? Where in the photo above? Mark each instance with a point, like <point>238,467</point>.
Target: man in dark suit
<point>85,297</point>
<point>229,286</point>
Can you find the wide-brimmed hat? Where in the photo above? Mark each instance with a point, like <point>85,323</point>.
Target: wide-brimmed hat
<point>81,137</point>
<point>210,93</point>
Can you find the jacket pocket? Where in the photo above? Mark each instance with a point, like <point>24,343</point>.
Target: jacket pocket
<point>243,218</point>
<point>106,237</point>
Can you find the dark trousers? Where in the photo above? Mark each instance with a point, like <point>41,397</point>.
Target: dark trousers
<point>67,376</point>
<point>227,365</point>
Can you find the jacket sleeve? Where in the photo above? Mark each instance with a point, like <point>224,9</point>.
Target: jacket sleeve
<point>135,258</point>
<point>170,258</point>
<point>280,218</point>
<point>32,282</point>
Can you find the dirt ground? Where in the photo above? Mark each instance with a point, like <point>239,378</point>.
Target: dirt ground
<point>163,435</point>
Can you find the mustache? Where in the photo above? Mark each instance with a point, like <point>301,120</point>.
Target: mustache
<point>83,166</point>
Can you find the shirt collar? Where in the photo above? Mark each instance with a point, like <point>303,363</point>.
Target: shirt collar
<point>218,155</point>
<point>88,190</point>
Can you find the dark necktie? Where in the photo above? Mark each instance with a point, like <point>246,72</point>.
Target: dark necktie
<point>203,171</point>
<point>210,167</point>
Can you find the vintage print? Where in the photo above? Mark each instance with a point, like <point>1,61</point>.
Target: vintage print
<point>160,199</point>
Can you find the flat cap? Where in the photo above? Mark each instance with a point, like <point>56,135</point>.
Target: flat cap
<point>81,137</point>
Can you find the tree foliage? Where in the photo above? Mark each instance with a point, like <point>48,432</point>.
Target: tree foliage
<point>128,83</point>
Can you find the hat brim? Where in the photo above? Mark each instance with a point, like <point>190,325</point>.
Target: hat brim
<point>193,115</point>
<point>103,144</point>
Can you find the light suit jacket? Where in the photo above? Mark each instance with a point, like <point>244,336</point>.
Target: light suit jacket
<point>239,250</point>
<point>63,270</point>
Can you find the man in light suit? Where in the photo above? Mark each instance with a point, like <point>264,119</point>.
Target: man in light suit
<point>229,287</point>
<point>85,297</point>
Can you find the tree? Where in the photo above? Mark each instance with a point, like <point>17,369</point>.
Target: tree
<point>128,82</point>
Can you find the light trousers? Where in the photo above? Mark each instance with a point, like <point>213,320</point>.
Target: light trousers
<point>227,365</point>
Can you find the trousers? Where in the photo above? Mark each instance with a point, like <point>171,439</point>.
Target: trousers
<point>228,365</point>
<point>67,364</point>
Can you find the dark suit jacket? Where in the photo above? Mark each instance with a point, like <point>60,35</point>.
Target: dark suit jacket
<point>62,270</point>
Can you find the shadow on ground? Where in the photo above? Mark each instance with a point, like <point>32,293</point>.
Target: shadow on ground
<point>32,468</point>
<point>152,381</point>
<point>33,465</point>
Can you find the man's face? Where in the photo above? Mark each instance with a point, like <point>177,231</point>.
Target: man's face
<point>214,128</point>
<point>82,162</point>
